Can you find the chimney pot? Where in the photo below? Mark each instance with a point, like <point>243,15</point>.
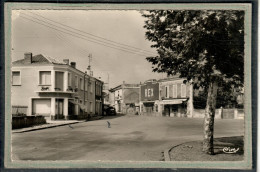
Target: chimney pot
<point>67,61</point>
<point>73,64</point>
<point>29,56</point>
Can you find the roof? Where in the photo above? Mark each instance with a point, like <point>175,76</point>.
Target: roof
<point>171,78</point>
<point>38,59</point>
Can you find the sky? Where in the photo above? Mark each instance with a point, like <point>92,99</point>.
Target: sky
<point>96,32</point>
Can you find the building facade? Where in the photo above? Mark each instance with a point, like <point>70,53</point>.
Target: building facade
<point>149,96</point>
<point>125,98</point>
<point>166,97</point>
<point>56,90</point>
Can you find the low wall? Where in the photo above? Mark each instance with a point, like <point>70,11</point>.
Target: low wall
<point>27,121</point>
<point>221,113</point>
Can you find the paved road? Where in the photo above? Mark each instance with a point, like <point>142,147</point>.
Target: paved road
<point>137,138</point>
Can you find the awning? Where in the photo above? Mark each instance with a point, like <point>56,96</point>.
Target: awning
<point>173,102</point>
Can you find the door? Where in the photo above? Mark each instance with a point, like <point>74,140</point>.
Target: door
<point>167,110</point>
<point>59,109</point>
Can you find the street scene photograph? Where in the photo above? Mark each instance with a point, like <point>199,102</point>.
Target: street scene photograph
<point>161,85</point>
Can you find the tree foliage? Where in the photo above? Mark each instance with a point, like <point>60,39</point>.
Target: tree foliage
<point>202,45</point>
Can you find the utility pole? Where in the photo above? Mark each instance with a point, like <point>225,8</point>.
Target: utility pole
<point>89,65</point>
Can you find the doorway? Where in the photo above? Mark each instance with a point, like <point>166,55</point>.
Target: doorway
<point>59,103</point>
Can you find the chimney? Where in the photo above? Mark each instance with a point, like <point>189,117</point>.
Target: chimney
<point>28,56</point>
<point>67,61</point>
<point>73,64</point>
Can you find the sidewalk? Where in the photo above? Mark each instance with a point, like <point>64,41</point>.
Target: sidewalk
<point>50,124</point>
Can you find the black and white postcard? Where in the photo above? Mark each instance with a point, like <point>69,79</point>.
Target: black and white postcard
<point>128,85</point>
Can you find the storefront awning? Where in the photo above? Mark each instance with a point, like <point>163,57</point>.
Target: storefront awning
<point>172,102</point>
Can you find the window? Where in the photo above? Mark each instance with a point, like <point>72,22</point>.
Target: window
<point>16,78</point>
<point>167,91</point>
<point>145,92</point>
<point>174,91</point>
<point>183,90</point>
<point>150,92</point>
<point>45,77</point>
<point>81,83</point>
<point>76,81</point>
<point>69,79</point>
<point>86,84</point>
<point>90,106</point>
<point>91,87</point>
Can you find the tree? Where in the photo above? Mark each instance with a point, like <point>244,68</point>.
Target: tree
<point>204,46</point>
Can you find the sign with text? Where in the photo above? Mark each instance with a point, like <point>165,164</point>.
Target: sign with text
<point>150,91</point>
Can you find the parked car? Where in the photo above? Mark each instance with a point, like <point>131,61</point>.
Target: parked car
<point>109,110</point>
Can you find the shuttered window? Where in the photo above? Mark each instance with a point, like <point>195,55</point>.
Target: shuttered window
<point>174,91</point>
<point>81,83</point>
<point>69,79</point>
<point>16,78</point>
<point>167,91</point>
<point>76,81</point>
<point>183,90</point>
<point>45,77</point>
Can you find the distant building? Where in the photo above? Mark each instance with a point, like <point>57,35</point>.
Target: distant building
<point>57,90</point>
<point>125,98</point>
<point>166,97</point>
<point>150,101</point>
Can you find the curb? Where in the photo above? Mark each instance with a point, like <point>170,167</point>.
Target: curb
<point>34,129</point>
<point>166,152</point>
<point>166,155</point>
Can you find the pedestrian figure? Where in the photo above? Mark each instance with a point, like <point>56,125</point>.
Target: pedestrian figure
<point>108,124</point>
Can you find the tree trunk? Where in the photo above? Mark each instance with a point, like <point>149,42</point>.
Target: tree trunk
<point>208,146</point>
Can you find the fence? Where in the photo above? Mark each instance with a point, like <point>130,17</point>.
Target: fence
<point>27,121</point>
<point>19,110</point>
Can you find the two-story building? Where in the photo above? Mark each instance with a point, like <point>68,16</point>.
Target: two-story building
<point>166,97</point>
<point>125,98</point>
<point>56,90</point>
<point>149,98</point>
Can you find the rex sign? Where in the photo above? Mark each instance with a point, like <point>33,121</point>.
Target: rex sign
<point>150,91</point>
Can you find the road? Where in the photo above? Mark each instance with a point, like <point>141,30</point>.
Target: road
<point>138,138</point>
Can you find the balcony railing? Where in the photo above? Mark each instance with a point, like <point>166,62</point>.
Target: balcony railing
<point>47,89</point>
